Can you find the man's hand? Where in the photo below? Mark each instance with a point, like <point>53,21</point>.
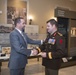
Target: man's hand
<point>43,54</point>
<point>35,52</point>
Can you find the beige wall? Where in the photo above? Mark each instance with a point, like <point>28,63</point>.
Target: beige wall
<point>3,4</point>
<point>41,10</point>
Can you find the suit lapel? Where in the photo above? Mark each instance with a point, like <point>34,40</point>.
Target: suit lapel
<point>24,37</point>
<point>21,36</point>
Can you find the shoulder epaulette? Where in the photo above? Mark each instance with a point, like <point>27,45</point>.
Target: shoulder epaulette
<point>60,34</point>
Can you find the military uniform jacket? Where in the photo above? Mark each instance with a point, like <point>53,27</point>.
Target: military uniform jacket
<point>55,50</point>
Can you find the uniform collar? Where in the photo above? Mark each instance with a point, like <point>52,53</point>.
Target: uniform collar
<point>54,34</point>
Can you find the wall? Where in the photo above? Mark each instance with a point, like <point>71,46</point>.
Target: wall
<point>3,4</point>
<point>41,10</point>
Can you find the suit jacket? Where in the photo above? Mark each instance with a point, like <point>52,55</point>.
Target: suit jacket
<point>19,51</point>
<point>57,49</point>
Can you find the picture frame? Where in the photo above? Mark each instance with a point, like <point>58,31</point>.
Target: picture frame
<point>14,10</point>
<point>6,50</point>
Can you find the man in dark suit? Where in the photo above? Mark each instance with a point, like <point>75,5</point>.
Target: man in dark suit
<point>19,51</point>
<point>53,49</point>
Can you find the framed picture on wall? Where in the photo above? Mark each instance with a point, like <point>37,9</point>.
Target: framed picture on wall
<point>14,12</point>
<point>16,8</point>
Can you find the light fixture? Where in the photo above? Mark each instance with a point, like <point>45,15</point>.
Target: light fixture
<point>30,20</point>
<point>0,12</point>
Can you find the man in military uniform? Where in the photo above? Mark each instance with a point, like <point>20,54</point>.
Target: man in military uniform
<point>53,49</point>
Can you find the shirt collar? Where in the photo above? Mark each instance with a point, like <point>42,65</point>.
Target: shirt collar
<point>18,30</point>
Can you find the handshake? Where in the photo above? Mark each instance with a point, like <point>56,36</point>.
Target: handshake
<point>35,52</point>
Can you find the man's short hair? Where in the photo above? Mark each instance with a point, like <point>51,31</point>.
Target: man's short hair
<point>17,20</point>
<point>53,22</point>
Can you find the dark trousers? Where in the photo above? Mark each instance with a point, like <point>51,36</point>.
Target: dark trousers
<point>17,71</point>
<point>51,72</point>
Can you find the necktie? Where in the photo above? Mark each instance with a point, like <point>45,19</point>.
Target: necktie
<point>23,37</point>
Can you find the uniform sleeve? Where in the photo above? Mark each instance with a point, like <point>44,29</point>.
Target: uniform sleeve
<point>60,49</point>
<point>41,48</point>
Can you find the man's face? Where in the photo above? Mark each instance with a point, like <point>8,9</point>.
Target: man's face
<point>50,27</point>
<point>22,24</point>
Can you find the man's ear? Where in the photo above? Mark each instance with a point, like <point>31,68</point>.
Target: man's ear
<point>17,24</point>
<point>53,25</point>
